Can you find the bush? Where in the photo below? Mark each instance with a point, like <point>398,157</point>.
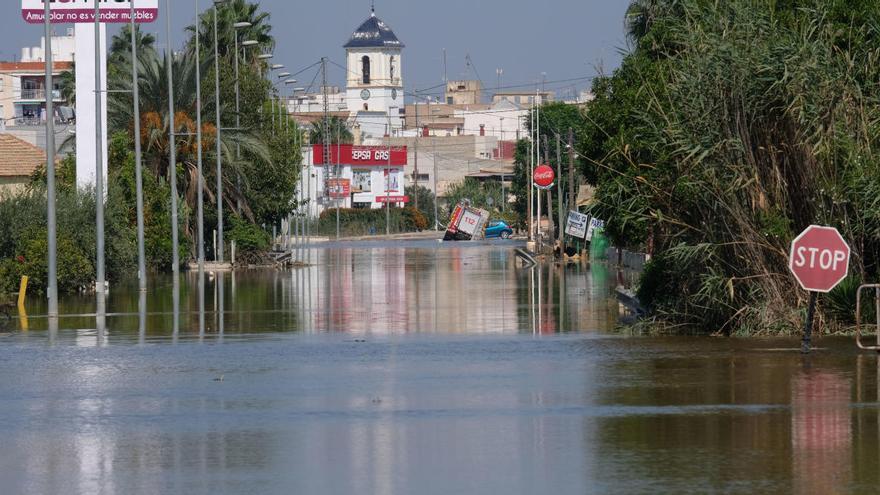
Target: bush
<point>249,238</point>
<point>356,222</point>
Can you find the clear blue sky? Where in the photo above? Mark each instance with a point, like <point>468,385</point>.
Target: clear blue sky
<point>565,39</point>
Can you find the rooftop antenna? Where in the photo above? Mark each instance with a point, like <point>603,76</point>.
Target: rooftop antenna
<point>372,8</point>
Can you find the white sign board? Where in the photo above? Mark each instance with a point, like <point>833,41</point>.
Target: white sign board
<point>470,220</point>
<point>577,224</point>
<point>83,11</point>
<point>595,224</point>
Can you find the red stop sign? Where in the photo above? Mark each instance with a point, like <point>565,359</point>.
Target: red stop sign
<point>544,176</point>
<point>819,258</point>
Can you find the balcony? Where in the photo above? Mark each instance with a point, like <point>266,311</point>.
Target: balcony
<point>38,94</point>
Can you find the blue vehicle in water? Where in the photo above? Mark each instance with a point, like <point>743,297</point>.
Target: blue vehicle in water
<point>498,229</point>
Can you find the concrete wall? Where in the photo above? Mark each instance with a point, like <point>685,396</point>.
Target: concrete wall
<point>10,186</point>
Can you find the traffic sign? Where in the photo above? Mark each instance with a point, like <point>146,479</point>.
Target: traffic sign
<point>544,176</point>
<point>819,258</point>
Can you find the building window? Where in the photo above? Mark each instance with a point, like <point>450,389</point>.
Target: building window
<point>2,83</point>
<point>422,177</point>
<point>392,68</point>
<point>449,100</point>
<point>365,69</point>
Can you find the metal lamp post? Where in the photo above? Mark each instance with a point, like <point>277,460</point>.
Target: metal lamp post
<point>218,256</point>
<point>200,211</point>
<point>138,173</point>
<point>237,26</point>
<point>50,170</point>
<point>172,146</point>
<point>100,282</point>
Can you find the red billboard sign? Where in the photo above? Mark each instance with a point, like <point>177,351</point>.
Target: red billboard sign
<point>544,176</point>
<point>83,11</point>
<point>370,156</point>
<point>819,258</point>
<point>339,188</point>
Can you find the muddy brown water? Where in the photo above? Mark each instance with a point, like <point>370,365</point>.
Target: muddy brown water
<point>418,368</point>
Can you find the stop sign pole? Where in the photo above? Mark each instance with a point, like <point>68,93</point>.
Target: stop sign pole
<point>819,260</point>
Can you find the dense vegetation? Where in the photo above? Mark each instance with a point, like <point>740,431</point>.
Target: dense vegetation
<point>729,127</point>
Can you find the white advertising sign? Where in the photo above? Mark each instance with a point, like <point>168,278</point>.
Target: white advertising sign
<point>83,11</point>
<point>595,223</point>
<point>577,224</point>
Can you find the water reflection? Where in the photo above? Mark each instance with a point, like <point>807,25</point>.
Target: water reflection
<point>362,290</point>
<point>821,435</point>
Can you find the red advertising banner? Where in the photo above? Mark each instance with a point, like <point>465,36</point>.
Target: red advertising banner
<point>392,199</point>
<point>370,156</point>
<point>338,188</point>
<point>83,11</point>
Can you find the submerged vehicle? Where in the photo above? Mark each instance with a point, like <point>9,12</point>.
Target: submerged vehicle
<point>498,229</point>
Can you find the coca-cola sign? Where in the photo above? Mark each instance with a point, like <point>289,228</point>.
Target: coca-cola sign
<point>544,176</point>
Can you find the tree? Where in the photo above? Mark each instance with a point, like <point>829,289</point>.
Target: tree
<point>340,133</point>
<point>227,15</point>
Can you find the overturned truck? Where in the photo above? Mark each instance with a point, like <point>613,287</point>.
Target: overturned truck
<point>466,223</point>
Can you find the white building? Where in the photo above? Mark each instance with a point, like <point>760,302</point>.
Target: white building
<point>63,49</point>
<point>374,86</point>
<point>503,119</point>
<point>355,177</point>
<point>374,93</point>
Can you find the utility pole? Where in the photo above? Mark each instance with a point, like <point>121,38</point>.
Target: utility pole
<point>531,173</point>
<point>200,211</point>
<point>436,208</point>
<point>326,128</point>
<point>571,183</point>
<point>52,274</point>
<point>100,284</point>
<point>218,255</point>
<point>388,184</point>
<point>138,173</point>
<point>549,190</point>
<point>172,147</point>
<point>560,235</point>
<point>338,157</point>
<point>416,155</point>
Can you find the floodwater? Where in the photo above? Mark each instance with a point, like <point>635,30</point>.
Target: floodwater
<point>418,368</point>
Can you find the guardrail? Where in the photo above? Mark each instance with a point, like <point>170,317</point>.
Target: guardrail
<point>876,288</point>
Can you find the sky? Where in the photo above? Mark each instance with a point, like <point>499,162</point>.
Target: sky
<point>562,42</point>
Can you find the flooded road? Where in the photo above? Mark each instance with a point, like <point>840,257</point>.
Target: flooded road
<point>424,369</point>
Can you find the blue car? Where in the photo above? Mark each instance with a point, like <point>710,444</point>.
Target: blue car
<point>498,229</point>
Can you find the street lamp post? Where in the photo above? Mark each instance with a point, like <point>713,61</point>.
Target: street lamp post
<point>138,173</point>
<point>218,256</point>
<point>50,171</point>
<point>237,26</point>
<point>200,211</point>
<point>100,285</point>
<point>172,146</point>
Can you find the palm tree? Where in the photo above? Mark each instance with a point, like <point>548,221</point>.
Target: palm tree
<point>227,15</point>
<point>153,87</point>
<point>339,131</point>
<point>120,44</point>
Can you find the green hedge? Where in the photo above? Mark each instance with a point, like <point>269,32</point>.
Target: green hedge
<point>356,222</point>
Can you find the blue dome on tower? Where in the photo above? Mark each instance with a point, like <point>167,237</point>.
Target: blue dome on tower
<point>374,33</point>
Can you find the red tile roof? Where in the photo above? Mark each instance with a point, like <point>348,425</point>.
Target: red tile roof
<point>19,158</point>
<point>32,66</point>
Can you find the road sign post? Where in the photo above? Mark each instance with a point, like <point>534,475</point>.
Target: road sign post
<point>819,260</point>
